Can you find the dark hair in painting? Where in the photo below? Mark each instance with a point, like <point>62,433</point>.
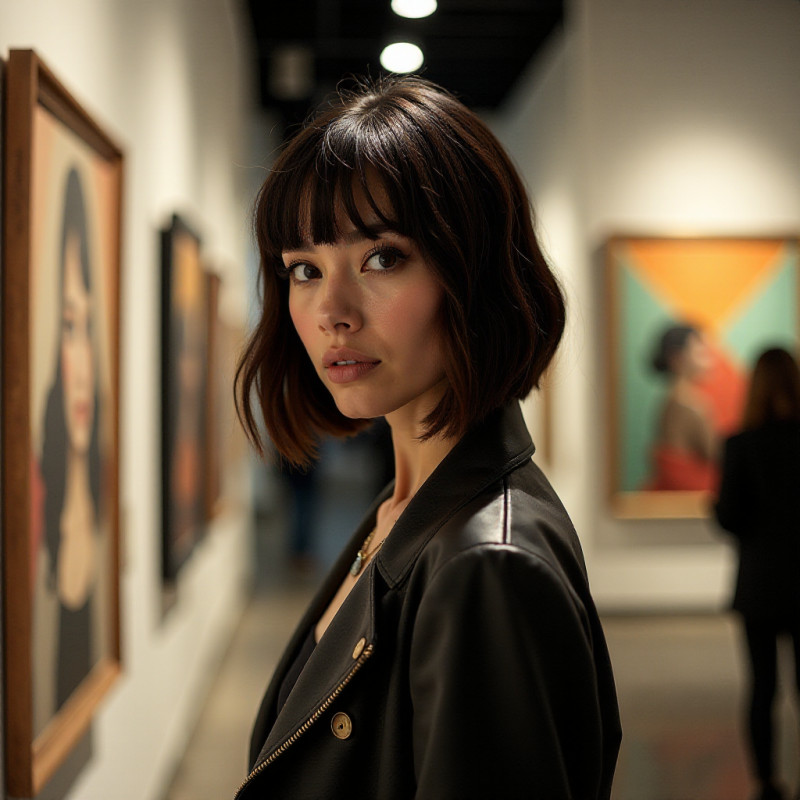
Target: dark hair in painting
<point>451,187</point>
<point>55,445</point>
<point>672,342</point>
<point>774,394</point>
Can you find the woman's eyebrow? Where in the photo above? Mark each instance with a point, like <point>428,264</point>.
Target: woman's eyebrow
<point>353,237</point>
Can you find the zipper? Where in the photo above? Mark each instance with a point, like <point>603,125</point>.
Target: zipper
<point>321,709</point>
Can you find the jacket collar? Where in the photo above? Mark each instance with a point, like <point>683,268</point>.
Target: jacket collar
<point>487,452</point>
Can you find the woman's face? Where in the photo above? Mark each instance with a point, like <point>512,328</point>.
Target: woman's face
<point>368,314</point>
<point>694,360</point>
<point>77,363</point>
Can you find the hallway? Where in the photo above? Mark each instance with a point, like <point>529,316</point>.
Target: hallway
<point>678,680</point>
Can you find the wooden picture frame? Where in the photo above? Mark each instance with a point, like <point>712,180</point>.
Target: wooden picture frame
<point>234,449</point>
<point>214,398</point>
<point>2,269</point>
<point>184,390</point>
<point>686,318</point>
<point>61,326</point>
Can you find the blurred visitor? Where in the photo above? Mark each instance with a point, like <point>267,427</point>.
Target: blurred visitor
<point>758,503</point>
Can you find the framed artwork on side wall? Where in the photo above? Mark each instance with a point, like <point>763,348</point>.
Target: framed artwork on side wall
<point>234,451</point>
<point>184,377</point>
<point>61,277</point>
<point>2,135</point>
<point>214,401</point>
<point>687,318</point>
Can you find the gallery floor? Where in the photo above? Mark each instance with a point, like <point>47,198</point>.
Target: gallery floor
<point>678,678</point>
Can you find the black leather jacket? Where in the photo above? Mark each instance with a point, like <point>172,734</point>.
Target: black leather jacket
<point>467,662</point>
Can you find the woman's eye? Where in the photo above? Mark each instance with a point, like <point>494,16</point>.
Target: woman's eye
<point>385,258</point>
<point>302,272</point>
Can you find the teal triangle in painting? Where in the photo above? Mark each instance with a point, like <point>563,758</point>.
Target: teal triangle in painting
<point>770,318</point>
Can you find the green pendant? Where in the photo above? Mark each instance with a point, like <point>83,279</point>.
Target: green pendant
<point>357,564</point>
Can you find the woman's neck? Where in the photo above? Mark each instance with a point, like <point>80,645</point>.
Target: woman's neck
<point>77,492</point>
<point>684,388</point>
<point>77,556</point>
<point>414,458</point>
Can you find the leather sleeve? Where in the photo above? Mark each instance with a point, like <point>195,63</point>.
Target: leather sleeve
<point>503,682</point>
<point>732,508</point>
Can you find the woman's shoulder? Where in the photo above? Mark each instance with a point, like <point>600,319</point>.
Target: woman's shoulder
<point>516,524</point>
<point>787,432</point>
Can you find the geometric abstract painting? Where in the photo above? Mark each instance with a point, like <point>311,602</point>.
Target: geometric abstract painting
<point>687,319</point>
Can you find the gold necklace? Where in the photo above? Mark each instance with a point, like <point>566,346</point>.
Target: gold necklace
<point>363,554</point>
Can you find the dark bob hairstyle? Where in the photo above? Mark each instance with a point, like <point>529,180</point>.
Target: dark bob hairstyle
<point>450,187</point>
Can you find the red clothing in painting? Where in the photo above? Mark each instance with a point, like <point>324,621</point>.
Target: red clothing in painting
<point>676,470</point>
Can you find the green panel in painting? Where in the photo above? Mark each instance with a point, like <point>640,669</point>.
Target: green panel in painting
<point>770,318</point>
<point>644,319</point>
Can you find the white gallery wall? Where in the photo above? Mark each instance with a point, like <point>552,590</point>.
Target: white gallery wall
<point>170,81</point>
<point>671,117</point>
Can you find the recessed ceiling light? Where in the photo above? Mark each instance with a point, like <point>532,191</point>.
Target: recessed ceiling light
<point>401,57</point>
<point>413,9</point>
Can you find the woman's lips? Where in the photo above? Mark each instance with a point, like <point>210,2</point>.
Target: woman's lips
<point>81,411</point>
<point>344,364</point>
<point>348,370</point>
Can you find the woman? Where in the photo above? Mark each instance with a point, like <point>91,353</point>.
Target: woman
<point>70,466</point>
<point>454,650</point>
<point>685,450</point>
<point>758,504</point>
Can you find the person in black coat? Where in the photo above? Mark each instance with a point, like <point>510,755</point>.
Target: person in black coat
<point>454,651</point>
<point>759,503</point>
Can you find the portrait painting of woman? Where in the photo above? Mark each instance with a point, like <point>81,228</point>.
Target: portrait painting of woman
<point>70,623</point>
<point>684,449</point>
<point>61,369</point>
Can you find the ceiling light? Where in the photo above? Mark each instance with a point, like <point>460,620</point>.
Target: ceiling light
<point>402,57</point>
<point>413,9</point>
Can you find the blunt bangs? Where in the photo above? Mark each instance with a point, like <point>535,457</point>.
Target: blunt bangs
<point>375,151</point>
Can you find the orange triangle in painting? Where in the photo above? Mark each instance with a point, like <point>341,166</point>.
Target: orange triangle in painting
<point>703,280</point>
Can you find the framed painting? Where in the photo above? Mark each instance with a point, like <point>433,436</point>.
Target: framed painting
<point>184,326</point>
<point>234,449</point>
<point>215,399</point>
<point>60,493</point>
<point>687,318</point>
<point>2,135</point>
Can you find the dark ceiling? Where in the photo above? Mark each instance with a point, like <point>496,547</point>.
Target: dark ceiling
<point>475,48</point>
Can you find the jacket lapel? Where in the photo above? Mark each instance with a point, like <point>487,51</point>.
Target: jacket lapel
<point>330,657</point>
<point>349,635</point>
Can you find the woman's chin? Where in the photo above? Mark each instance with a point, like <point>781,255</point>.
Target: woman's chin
<point>79,443</point>
<point>355,413</point>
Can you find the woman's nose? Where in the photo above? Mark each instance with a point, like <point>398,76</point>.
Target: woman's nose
<point>339,306</point>
<point>84,360</point>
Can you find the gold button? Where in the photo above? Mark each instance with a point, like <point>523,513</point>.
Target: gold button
<point>359,648</point>
<point>341,726</point>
